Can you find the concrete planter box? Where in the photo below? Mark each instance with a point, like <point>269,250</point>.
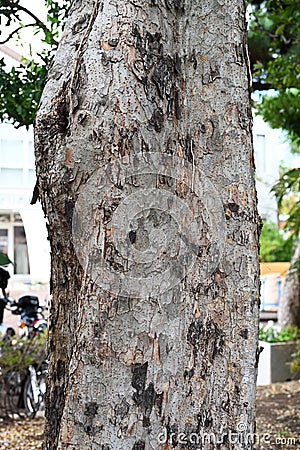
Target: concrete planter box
<point>273,362</point>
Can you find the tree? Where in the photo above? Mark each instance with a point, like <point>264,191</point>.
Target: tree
<point>274,42</point>
<point>274,247</point>
<point>144,164</point>
<point>275,26</point>
<point>289,310</point>
<point>21,86</point>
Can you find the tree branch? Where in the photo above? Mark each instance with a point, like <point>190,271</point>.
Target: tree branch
<point>38,22</point>
<point>15,31</point>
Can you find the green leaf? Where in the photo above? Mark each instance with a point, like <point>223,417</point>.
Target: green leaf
<point>280,29</point>
<point>4,260</point>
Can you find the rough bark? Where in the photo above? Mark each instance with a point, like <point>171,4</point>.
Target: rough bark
<point>130,366</point>
<point>289,308</point>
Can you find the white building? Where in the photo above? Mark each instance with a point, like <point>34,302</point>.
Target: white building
<point>270,152</point>
<point>22,226</point>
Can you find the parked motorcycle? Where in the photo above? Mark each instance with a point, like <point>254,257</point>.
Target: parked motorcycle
<point>32,320</point>
<point>25,384</point>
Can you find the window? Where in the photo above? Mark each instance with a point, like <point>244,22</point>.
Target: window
<point>12,153</point>
<point>13,242</point>
<point>260,152</point>
<point>11,177</point>
<point>21,260</point>
<point>4,241</point>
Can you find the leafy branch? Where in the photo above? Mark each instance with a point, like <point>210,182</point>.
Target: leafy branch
<point>13,8</point>
<point>22,86</point>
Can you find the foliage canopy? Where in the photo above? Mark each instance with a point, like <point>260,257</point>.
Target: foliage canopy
<point>274,247</point>
<point>274,49</point>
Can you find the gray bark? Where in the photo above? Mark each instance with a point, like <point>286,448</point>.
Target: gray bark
<point>145,171</point>
<point>289,308</point>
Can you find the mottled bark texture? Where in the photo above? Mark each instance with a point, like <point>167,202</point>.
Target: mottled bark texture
<point>289,309</point>
<point>166,76</point>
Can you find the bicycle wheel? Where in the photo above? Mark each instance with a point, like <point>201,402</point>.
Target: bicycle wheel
<point>34,395</point>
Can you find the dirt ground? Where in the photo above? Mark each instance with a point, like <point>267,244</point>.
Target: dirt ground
<point>278,416</point>
<point>278,422</point>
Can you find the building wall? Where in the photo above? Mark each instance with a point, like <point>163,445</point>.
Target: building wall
<point>269,150</point>
<point>22,226</point>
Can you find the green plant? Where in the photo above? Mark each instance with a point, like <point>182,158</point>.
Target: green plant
<point>4,259</point>
<point>18,354</point>
<point>295,364</point>
<point>274,247</point>
<point>21,86</point>
<point>272,333</point>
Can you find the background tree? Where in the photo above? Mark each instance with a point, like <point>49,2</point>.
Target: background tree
<point>274,52</point>
<point>289,310</point>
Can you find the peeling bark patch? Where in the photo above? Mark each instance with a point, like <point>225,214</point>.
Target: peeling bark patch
<point>244,333</point>
<point>114,258</point>
<point>68,158</point>
<point>213,290</point>
<point>80,24</point>
<point>109,45</point>
<point>139,445</point>
<point>60,113</point>
<point>121,411</point>
<point>69,208</point>
<point>188,149</point>
<point>56,122</point>
<point>152,67</point>
<point>188,374</point>
<point>207,127</point>
<point>175,4</point>
<point>60,369</point>
<point>204,419</point>
<point>226,403</point>
<point>145,398</point>
<point>91,409</point>
<point>215,141</point>
<point>138,381</point>
<point>207,341</point>
<point>157,120</point>
<point>35,194</point>
<point>148,403</point>
<point>132,236</point>
<point>233,207</point>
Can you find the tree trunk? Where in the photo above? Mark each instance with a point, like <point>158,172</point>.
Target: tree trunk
<point>289,308</point>
<point>145,171</point>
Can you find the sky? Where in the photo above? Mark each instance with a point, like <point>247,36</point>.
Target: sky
<point>29,42</point>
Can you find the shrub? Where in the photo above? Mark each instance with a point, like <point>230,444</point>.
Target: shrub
<point>272,333</point>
